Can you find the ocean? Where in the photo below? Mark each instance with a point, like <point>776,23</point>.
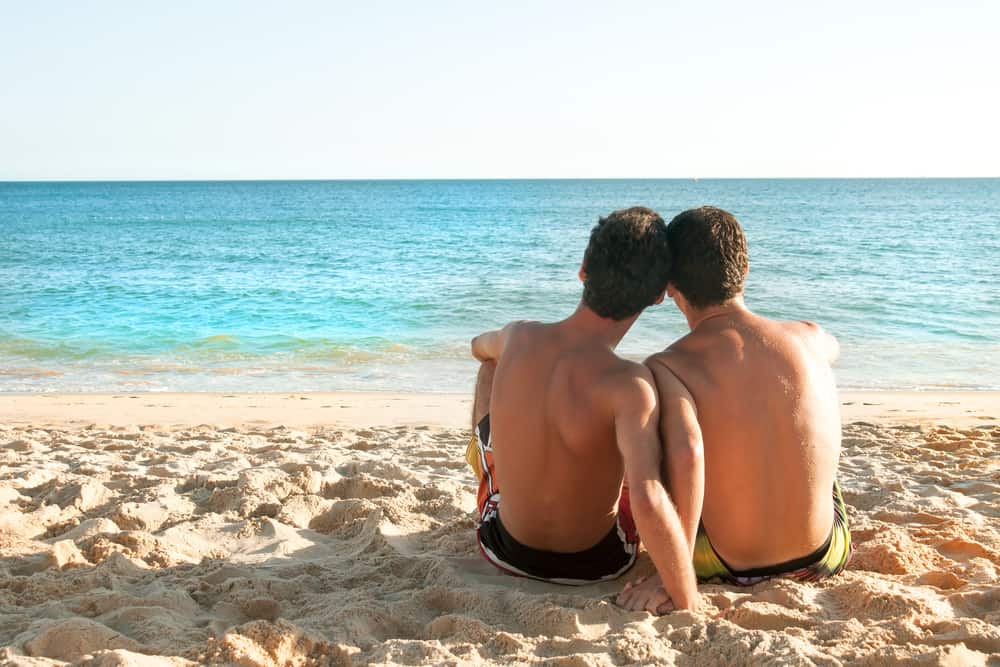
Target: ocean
<point>379,285</point>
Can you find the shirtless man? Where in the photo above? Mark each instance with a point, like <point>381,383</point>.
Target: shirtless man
<point>559,419</point>
<point>760,395</point>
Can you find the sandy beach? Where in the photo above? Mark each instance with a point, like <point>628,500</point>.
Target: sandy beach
<point>336,529</point>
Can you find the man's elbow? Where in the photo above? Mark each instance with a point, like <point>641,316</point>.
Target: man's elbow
<point>647,499</point>
<point>688,453</point>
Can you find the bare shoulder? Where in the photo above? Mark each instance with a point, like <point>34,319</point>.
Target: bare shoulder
<point>631,386</point>
<point>676,360</point>
<point>517,328</point>
<point>816,337</point>
<point>805,326</point>
<point>521,325</point>
<point>668,368</point>
<point>489,346</point>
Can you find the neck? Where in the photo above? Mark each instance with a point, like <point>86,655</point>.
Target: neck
<point>732,307</point>
<point>589,323</point>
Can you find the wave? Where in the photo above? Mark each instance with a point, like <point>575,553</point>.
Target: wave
<point>169,354</point>
<point>25,348</point>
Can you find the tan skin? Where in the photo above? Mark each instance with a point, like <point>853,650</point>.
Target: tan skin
<point>760,395</point>
<point>569,420</point>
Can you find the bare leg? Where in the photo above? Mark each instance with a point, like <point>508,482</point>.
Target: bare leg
<point>484,388</point>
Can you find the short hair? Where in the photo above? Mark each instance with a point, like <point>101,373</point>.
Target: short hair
<point>626,264</point>
<point>709,260</point>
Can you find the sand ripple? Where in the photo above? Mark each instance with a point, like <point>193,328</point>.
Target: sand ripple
<point>257,546</point>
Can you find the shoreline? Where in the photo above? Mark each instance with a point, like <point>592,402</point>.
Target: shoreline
<point>966,409</point>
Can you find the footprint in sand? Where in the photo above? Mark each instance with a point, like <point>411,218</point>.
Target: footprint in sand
<point>342,513</point>
<point>363,445</point>
<point>72,639</point>
<point>261,609</point>
<point>767,616</point>
<point>362,487</point>
<point>959,549</point>
<point>943,580</point>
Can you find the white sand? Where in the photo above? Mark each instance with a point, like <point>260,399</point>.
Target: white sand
<point>361,409</point>
<point>128,532</point>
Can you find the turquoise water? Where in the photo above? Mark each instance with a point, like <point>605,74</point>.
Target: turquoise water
<point>250,286</point>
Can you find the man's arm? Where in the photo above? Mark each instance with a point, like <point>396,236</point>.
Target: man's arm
<point>637,433</point>
<point>685,460</point>
<point>488,346</point>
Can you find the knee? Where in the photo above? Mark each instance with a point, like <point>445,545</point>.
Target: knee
<point>488,367</point>
<point>484,391</point>
<point>484,378</point>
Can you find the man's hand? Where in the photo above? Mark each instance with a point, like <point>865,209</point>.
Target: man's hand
<point>645,593</point>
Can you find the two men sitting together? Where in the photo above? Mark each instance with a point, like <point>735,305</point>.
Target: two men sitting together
<point>720,452</point>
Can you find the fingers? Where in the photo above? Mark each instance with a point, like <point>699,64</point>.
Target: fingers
<point>633,599</point>
<point>641,601</point>
<point>655,600</point>
<point>628,595</point>
<point>628,599</point>
<point>666,607</point>
<point>643,594</point>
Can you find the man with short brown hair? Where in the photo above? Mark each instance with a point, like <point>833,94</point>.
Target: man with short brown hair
<point>760,395</point>
<point>559,420</point>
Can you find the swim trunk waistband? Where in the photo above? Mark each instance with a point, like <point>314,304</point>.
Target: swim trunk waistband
<point>830,559</point>
<point>608,559</point>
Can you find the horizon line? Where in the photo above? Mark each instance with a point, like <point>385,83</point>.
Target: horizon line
<point>490,178</point>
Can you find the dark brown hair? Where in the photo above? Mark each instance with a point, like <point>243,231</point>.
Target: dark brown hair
<point>626,264</point>
<point>709,255</point>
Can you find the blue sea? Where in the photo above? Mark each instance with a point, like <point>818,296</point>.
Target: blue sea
<point>379,285</point>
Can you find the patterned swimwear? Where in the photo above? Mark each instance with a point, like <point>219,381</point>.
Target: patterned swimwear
<point>608,559</point>
<point>828,560</point>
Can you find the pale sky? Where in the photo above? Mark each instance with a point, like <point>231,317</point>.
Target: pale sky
<point>193,90</point>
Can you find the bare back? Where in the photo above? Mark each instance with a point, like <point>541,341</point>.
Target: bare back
<point>557,462</point>
<point>769,415</point>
